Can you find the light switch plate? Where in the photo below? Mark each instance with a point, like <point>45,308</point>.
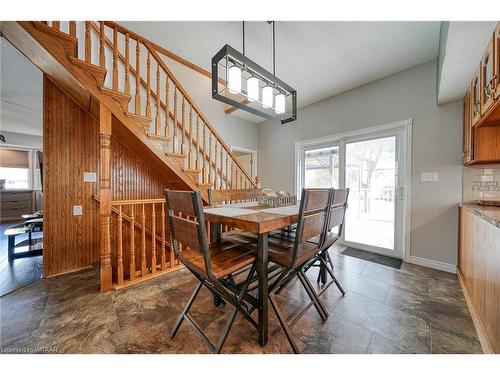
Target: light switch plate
<point>89,177</point>
<point>77,210</point>
<point>429,176</point>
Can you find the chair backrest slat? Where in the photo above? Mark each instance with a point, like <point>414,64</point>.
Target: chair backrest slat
<point>182,202</point>
<point>186,233</point>
<point>338,209</point>
<point>232,195</point>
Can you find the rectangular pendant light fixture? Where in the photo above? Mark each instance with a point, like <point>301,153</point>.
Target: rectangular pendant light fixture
<point>240,82</point>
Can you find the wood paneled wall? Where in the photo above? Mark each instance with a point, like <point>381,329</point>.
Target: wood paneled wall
<point>132,177</point>
<point>71,147</point>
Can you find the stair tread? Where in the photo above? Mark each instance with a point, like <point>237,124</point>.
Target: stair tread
<point>177,155</point>
<point>191,170</point>
<point>116,94</point>
<point>157,137</point>
<point>142,120</point>
<point>95,71</point>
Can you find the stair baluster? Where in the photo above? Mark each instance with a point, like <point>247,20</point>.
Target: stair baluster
<point>163,238</point>
<point>132,245</point>
<point>190,160</point>
<point>119,249</point>
<point>88,51</point>
<point>158,102</point>
<point>143,242</point>
<point>197,163</point>
<point>137,99</point>
<point>153,238</point>
<point>72,28</point>
<point>115,60</point>
<point>148,85</point>
<point>183,130</point>
<point>167,108</point>
<point>174,144</point>
<point>127,65</point>
<point>102,55</point>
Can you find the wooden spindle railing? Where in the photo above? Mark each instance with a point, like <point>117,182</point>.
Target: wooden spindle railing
<point>153,244</point>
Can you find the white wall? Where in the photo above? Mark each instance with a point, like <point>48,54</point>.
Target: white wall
<point>437,139</point>
<point>234,130</point>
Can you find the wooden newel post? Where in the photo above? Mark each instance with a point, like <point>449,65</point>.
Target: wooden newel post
<point>105,195</point>
<point>257,182</point>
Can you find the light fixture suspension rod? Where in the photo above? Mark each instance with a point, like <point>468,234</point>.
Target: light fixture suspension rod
<point>274,49</point>
<point>243,38</point>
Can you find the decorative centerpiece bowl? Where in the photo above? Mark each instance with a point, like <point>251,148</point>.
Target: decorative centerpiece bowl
<point>271,199</point>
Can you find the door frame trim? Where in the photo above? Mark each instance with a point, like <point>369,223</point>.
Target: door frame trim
<point>254,171</point>
<point>404,126</point>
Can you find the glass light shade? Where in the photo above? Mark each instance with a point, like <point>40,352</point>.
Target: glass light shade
<point>234,80</point>
<point>280,103</point>
<point>253,88</point>
<point>267,97</point>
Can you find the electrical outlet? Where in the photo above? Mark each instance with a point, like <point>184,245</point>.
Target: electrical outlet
<point>89,177</point>
<point>429,176</point>
<point>77,210</point>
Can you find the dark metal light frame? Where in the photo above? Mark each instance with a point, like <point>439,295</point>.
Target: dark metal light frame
<point>232,54</point>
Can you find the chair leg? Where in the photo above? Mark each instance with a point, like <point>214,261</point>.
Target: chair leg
<point>186,310</point>
<point>283,323</point>
<point>232,316</point>
<point>323,313</point>
<point>330,271</point>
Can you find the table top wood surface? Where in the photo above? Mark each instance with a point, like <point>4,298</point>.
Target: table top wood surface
<point>251,217</point>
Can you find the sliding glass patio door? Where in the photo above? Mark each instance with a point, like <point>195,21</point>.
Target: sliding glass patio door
<point>371,176</point>
<point>369,164</point>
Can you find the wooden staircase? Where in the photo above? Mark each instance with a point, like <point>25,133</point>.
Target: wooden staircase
<point>124,72</point>
<point>108,69</point>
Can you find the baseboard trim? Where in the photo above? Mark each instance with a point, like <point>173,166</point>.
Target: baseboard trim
<point>484,340</point>
<point>451,268</point>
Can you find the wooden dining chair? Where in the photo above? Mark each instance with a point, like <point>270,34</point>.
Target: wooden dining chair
<point>226,196</point>
<point>335,228</point>
<point>295,257</point>
<point>212,264</point>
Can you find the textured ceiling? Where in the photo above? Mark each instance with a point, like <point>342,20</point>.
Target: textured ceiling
<point>21,92</point>
<point>319,59</point>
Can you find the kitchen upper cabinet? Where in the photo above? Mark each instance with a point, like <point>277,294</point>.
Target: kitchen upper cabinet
<point>487,78</point>
<point>476,97</point>
<point>481,132</point>
<point>468,147</point>
<point>496,61</point>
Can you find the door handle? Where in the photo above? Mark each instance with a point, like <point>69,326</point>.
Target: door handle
<point>399,192</point>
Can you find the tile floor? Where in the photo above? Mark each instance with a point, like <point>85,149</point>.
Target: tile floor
<point>412,310</point>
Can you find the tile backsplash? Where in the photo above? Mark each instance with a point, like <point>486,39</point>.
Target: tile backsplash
<point>481,183</point>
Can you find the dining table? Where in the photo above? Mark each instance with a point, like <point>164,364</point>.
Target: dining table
<point>260,220</point>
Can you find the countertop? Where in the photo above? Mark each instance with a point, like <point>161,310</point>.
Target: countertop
<point>489,213</point>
